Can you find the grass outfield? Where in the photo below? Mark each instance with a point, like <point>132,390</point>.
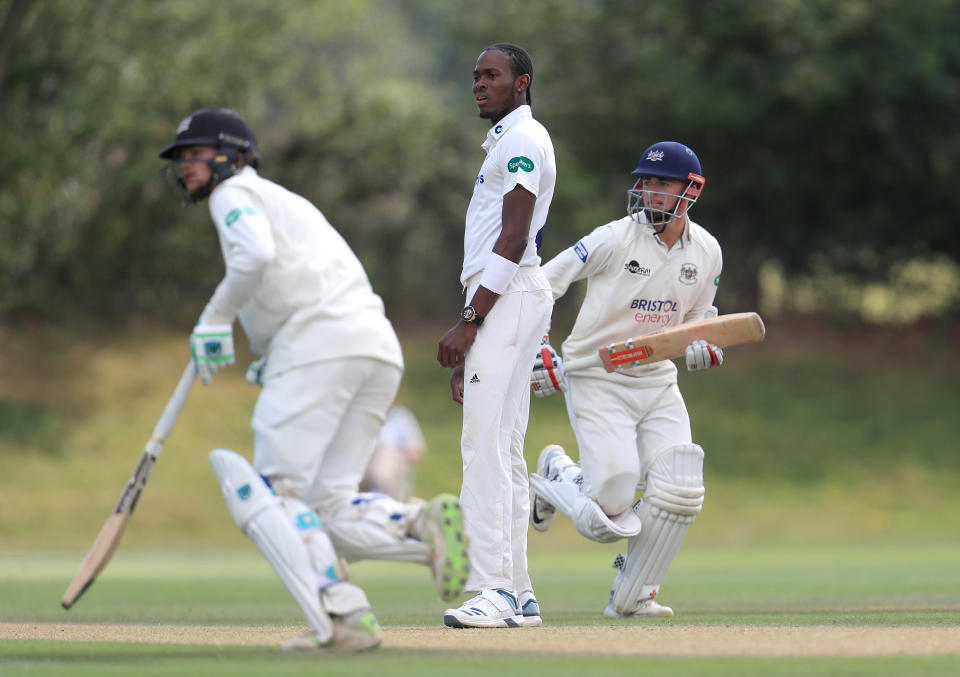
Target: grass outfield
<point>827,545</point>
<point>762,601</point>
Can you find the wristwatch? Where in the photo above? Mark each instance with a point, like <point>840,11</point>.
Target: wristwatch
<point>469,314</point>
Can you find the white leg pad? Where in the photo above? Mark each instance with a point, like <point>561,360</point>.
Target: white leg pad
<point>586,514</point>
<point>259,514</point>
<point>673,498</point>
<point>375,526</point>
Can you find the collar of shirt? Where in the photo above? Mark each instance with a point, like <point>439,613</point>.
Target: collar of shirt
<point>684,236</point>
<point>498,130</point>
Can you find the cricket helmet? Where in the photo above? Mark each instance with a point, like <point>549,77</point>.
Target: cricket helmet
<point>221,128</point>
<point>665,160</point>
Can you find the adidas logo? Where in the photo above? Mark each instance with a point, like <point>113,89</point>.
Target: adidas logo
<point>475,379</point>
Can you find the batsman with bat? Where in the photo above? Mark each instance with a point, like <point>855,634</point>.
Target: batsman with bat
<point>330,369</point>
<point>650,270</point>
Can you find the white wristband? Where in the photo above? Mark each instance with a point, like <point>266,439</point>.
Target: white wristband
<point>498,273</point>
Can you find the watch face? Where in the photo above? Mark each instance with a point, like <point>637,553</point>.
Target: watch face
<point>468,314</point>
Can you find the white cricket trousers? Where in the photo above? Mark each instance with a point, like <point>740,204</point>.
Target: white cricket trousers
<point>496,407</point>
<point>619,429</point>
<point>315,427</point>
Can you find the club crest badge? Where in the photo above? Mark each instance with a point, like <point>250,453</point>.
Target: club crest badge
<point>688,273</point>
<point>655,155</point>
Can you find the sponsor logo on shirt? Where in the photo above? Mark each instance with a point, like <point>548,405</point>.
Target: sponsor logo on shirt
<point>657,312</point>
<point>716,281</point>
<point>237,213</point>
<point>635,268</point>
<point>581,250</point>
<point>498,129</point>
<point>688,273</point>
<point>520,162</point>
<point>654,305</point>
<point>479,179</point>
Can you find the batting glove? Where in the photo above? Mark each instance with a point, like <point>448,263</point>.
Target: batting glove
<point>255,372</point>
<point>548,377</point>
<point>212,349</point>
<point>703,355</point>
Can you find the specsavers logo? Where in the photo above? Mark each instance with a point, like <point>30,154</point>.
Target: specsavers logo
<point>237,213</point>
<point>520,162</point>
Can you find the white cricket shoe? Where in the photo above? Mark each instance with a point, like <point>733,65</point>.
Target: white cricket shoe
<point>443,530</point>
<point>357,632</point>
<point>645,609</point>
<point>542,512</point>
<point>531,613</point>
<point>489,609</point>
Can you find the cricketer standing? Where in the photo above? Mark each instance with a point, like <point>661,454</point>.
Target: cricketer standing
<point>491,348</point>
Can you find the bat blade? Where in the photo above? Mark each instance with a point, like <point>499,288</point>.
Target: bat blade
<point>110,534</point>
<point>723,330</point>
<point>112,531</point>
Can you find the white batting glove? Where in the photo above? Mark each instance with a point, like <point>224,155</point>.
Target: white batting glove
<point>255,372</point>
<point>548,377</point>
<point>703,355</point>
<point>212,348</point>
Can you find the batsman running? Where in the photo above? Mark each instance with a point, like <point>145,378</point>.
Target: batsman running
<point>651,269</point>
<point>329,369</point>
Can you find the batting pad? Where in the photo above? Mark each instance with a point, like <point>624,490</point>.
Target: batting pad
<point>260,515</point>
<point>672,500</point>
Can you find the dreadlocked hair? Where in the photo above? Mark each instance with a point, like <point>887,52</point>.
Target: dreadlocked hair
<point>520,62</point>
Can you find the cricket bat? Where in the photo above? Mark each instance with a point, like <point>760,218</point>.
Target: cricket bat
<point>666,344</point>
<point>112,531</point>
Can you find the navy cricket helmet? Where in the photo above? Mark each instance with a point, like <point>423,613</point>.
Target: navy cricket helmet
<point>665,160</point>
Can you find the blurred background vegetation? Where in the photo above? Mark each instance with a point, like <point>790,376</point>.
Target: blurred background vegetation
<point>827,132</point>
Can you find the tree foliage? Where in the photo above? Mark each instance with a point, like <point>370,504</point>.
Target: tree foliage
<point>826,131</point>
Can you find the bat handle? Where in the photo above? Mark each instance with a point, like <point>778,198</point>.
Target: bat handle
<point>582,363</point>
<point>172,410</point>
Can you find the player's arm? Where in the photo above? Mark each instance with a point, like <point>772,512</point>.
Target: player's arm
<point>517,214</point>
<point>248,248</point>
<point>588,256</point>
<point>702,354</point>
<point>518,207</point>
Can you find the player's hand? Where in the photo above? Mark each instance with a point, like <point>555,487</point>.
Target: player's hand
<point>456,384</point>
<point>703,355</point>
<point>453,347</point>
<point>547,377</point>
<point>212,349</point>
<point>255,372</point>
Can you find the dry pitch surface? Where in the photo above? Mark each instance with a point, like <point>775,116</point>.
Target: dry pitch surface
<point>726,640</point>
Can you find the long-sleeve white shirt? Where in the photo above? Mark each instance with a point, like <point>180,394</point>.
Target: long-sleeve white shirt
<point>297,288</point>
<point>635,286</point>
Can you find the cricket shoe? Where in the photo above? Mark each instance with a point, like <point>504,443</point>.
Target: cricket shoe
<point>531,613</point>
<point>444,532</point>
<point>645,609</point>
<point>357,632</point>
<point>542,512</point>
<point>489,609</point>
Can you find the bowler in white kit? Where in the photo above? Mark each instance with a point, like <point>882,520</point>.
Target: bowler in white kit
<point>491,348</point>
<point>654,268</point>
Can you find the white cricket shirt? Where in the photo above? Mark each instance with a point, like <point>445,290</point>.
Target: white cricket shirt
<point>297,288</point>
<point>519,152</point>
<point>635,286</point>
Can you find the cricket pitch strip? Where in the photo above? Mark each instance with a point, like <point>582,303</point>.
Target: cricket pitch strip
<point>639,640</point>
